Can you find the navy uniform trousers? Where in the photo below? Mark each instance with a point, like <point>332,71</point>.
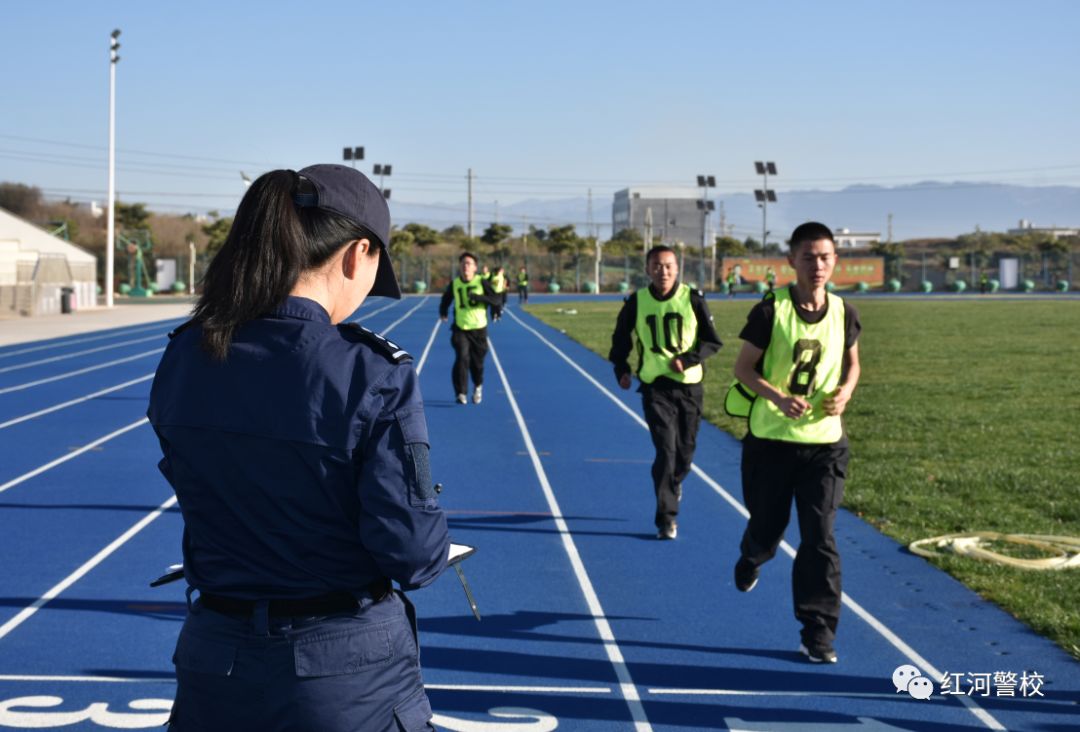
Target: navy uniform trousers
<point>673,414</point>
<point>357,671</point>
<point>773,474</point>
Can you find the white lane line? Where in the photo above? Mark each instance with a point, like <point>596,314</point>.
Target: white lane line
<point>522,689</point>
<point>27,612</point>
<point>79,400</point>
<point>159,326</point>
<point>400,320</point>
<point>86,679</point>
<point>910,653</point>
<point>427,348</point>
<point>71,455</point>
<point>359,316</point>
<point>435,687</point>
<point>88,369</point>
<point>603,628</point>
<point>743,692</point>
<point>156,337</point>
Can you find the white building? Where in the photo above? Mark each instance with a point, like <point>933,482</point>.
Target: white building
<point>1055,232</point>
<point>35,266</point>
<point>848,239</point>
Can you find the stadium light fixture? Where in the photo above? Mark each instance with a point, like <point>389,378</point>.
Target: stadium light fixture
<point>382,171</point>
<point>110,236</point>
<point>764,196</point>
<point>705,182</point>
<point>353,154</point>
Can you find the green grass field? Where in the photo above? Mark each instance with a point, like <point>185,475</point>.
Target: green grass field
<point>965,419</point>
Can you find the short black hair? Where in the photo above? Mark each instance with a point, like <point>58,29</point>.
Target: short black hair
<point>658,249</point>
<point>810,231</point>
<point>470,255</point>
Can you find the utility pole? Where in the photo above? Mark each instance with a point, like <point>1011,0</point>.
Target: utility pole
<point>191,268</point>
<point>596,243</point>
<point>110,236</point>
<point>470,176</point>
<point>646,241</point>
<point>890,228</point>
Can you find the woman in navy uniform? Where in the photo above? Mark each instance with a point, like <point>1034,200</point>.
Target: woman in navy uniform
<point>298,449</point>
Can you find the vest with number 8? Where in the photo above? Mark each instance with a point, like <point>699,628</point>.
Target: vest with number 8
<point>805,360</point>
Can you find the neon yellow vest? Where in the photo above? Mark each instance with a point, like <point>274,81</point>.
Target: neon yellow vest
<point>802,359</point>
<point>666,328</point>
<point>466,315</point>
<point>523,280</point>
<point>498,282</point>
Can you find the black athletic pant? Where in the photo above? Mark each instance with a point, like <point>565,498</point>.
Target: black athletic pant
<point>470,348</point>
<point>523,294</point>
<point>674,415</point>
<point>774,473</point>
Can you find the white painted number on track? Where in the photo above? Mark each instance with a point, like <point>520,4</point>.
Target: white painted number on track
<point>148,713</point>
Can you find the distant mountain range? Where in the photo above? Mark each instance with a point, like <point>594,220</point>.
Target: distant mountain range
<point>921,210</point>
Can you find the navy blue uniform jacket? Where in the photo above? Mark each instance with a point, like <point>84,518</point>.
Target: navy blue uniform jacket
<point>301,462</point>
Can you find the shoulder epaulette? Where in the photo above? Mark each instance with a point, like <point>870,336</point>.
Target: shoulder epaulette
<point>180,329</point>
<point>391,350</point>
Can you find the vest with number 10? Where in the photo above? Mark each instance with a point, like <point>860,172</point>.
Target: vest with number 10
<point>466,315</point>
<point>666,328</point>
<point>805,360</point>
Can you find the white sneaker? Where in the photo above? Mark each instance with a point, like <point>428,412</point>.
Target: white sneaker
<point>461,399</point>
<point>478,394</point>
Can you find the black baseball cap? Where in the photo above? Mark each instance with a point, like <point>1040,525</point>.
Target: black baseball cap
<point>348,192</point>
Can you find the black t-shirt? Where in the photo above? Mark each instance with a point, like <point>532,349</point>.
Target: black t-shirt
<point>759,323</point>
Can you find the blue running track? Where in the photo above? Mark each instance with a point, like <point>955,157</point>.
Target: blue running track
<point>589,623</point>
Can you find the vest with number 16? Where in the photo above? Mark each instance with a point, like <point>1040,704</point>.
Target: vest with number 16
<point>805,360</point>
<point>466,315</point>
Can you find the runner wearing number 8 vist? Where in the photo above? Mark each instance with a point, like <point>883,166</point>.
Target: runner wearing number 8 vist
<point>800,363</point>
<point>675,334</point>
<point>470,295</point>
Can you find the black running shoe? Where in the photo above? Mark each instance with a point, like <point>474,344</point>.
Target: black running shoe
<point>819,652</point>
<point>746,575</point>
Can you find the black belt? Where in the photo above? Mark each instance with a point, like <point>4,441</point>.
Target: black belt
<point>328,604</point>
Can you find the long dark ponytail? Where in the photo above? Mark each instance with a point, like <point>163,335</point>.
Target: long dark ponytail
<point>271,243</point>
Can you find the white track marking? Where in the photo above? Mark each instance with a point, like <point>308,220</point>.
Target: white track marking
<point>27,612</point>
<point>109,347</point>
<point>434,687</point>
<point>397,322</point>
<point>895,640</point>
<point>85,679</point>
<point>614,654</point>
<point>359,316</point>
<point>120,334</point>
<point>71,455</point>
<point>79,400</point>
<point>427,348</point>
<point>69,374</point>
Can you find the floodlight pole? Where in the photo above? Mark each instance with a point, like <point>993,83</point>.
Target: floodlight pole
<point>110,224</point>
<point>705,182</point>
<point>763,169</point>
<point>765,209</point>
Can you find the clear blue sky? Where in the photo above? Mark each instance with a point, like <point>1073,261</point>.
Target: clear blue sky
<point>542,99</point>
